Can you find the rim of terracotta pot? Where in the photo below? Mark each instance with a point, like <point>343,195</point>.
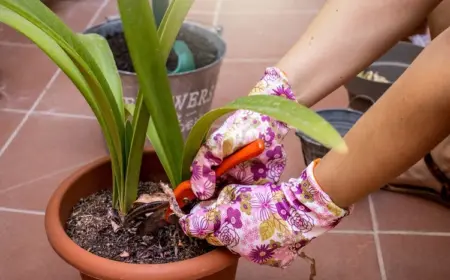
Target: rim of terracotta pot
<point>102,268</point>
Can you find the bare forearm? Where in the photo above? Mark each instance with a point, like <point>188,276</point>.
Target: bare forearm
<point>345,37</point>
<point>407,121</point>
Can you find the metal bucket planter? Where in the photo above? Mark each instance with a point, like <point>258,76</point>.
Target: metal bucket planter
<point>364,93</point>
<point>192,91</point>
<point>341,119</point>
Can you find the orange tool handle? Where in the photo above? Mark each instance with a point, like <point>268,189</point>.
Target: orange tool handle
<point>184,194</point>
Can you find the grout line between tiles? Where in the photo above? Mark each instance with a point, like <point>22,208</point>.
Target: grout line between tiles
<point>271,13</point>
<point>391,232</point>
<point>22,211</point>
<point>376,237</point>
<point>42,94</point>
<point>16,44</point>
<point>64,115</point>
<point>17,111</point>
<point>48,113</point>
<point>17,186</point>
<point>414,233</point>
<point>27,115</point>
<point>97,14</point>
<point>338,231</point>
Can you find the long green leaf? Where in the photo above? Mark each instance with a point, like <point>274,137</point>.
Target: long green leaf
<point>279,108</point>
<point>140,124</point>
<point>159,9</point>
<point>34,12</point>
<point>153,80</point>
<point>171,24</point>
<point>38,14</point>
<point>156,143</point>
<point>104,58</point>
<point>41,16</point>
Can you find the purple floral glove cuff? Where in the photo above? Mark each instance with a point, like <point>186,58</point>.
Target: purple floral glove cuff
<point>267,224</point>
<point>240,129</point>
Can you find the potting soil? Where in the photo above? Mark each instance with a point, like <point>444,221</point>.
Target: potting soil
<point>90,227</point>
<point>204,51</point>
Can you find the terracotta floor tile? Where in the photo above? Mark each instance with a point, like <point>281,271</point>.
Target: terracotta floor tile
<point>64,97</point>
<point>8,123</point>
<point>206,6</point>
<point>76,14</point>
<point>34,194</point>
<point>47,144</point>
<point>236,79</point>
<point>270,6</point>
<point>403,212</point>
<point>338,257</point>
<point>360,219</point>
<point>258,36</point>
<point>24,71</point>
<point>337,99</point>
<point>26,253</point>
<point>416,257</point>
<point>202,12</point>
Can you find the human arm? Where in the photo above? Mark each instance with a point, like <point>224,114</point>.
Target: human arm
<point>358,31</point>
<point>269,224</point>
<point>344,38</point>
<point>410,119</point>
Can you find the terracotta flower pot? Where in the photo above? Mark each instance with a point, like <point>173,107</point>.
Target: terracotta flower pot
<point>218,264</point>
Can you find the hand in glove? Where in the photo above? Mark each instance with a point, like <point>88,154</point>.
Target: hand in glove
<point>240,129</point>
<point>266,223</point>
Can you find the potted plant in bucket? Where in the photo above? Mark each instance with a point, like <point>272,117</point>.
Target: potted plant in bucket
<point>193,64</point>
<point>371,83</point>
<point>85,217</point>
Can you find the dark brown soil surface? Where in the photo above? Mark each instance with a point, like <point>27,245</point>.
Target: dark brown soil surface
<point>90,227</point>
<point>204,52</point>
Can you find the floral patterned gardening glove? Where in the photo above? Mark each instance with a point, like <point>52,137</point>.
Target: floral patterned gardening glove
<point>240,129</point>
<point>267,224</point>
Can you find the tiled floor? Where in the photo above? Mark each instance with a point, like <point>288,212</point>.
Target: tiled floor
<point>47,131</point>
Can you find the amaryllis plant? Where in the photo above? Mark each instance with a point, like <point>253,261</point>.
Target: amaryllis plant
<point>88,61</point>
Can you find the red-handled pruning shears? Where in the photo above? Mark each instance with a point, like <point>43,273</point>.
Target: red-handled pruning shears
<point>161,212</point>
<point>184,194</point>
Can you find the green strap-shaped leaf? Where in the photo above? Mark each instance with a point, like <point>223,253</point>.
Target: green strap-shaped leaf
<point>140,124</point>
<point>171,24</point>
<point>156,143</point>
<point>150,68</point>
<point>103,56</point>
<point>34,13</point>
<point>167,36</point>
<point>128,140</point>
<point>279,108</point>
<point>159,9</point>
<point>175,16</point>
<point>41,16</point>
